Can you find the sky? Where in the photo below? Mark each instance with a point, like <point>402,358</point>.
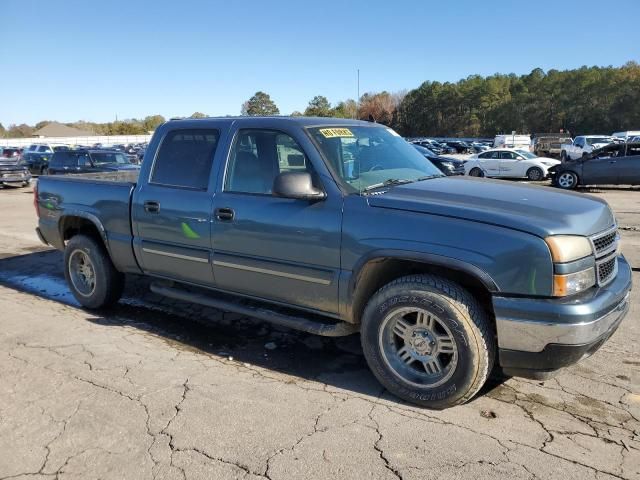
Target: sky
<point>70,60</point>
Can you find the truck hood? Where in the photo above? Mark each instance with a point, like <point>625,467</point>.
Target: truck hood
<point>537,210</point>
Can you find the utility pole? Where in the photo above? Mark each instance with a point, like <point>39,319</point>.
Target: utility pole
<point>358,97</point>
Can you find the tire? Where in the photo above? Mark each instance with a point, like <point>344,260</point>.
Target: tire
<point>566,180</point>
<point>535,174</point>
<point>476,172</point>
<point>434,314</point>
<point>90,274</point>
<point>44,171</point>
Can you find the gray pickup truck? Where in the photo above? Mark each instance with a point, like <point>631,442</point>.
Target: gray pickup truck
<point>335,226</point>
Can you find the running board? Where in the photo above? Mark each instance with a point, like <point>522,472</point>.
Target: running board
<point>336,329</point>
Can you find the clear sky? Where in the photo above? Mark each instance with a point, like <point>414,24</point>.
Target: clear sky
<point>90,60</point>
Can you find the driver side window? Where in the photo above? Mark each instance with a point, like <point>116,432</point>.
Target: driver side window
<point>258,156</point>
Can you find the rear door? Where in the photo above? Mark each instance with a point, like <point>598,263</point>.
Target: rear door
<point>490,163</point>
<point>171,213</point>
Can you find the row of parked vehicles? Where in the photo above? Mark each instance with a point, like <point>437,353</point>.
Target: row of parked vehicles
<point>19,164</point>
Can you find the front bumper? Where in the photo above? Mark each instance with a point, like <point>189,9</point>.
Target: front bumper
<point>15,177</point>
<point>538,336</point>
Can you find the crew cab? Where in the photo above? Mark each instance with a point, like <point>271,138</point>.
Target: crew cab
<point>335,226</point>
<point>582,146</point>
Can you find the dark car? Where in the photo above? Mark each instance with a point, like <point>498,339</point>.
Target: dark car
<point>448,166</point>
<point>459,146</point>
<point>13,170</point>
<point>37,156</point>
<point>614,164</point>
<point>89,161</point>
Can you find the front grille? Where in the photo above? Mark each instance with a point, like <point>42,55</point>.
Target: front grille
<point>606,270</point>
<point>605,246</point>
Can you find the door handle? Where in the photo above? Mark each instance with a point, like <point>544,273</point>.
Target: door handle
<point>612,161</point>
<point>151,206</point>
<point>225,214</point>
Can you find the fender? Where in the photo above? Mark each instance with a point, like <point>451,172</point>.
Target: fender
<point>87,216</point>
<point>347,292</point>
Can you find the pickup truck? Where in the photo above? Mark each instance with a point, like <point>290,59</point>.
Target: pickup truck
<point>335,226</point>
<point>582,146</point>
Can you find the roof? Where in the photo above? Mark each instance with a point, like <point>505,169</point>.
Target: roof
<point>272,121</point>
<point>55,129</point>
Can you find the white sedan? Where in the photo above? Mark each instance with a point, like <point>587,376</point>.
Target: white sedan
<point>510,163</point>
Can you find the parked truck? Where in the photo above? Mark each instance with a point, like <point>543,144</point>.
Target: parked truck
<point>336,226</point>
<point>549,144</point>
<point>582,146</point>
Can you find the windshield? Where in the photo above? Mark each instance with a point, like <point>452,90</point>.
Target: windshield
<point>363,156</point>
<point>591,141</point>
<point>526,154</point>
<point>424,150</point>
<point>104,158</point>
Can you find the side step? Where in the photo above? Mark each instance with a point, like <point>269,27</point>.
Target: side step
<point>328,329</point>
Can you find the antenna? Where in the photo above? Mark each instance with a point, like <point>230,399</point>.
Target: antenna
<point>358,97</point>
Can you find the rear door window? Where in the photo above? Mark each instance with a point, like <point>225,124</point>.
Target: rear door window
<point>185,158</point>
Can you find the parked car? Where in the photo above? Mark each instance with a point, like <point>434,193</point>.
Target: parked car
<point>549,144</point>
<point>448,166</point>
<point>13,170</point>
<point>511,163</point>
<point>478,147</point>
<point>442,276</point>
<point>37,156</point>
<point>88,161</point>
<point>614,164</point>
<point>583,145</point>
<point>521,142</point>
<point>459,146</point>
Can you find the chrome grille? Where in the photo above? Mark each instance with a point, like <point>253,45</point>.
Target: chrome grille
<point>605,247</point>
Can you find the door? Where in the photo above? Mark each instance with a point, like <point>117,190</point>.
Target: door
<point>281,249</point>
<point>629,166</point>
<point>600,170</point>
<point>172,211</point>
<point>490,163</point>
<point>510,165</point>
<point>578,148</point>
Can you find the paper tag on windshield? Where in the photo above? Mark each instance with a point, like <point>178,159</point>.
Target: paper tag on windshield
<point>336,132</point>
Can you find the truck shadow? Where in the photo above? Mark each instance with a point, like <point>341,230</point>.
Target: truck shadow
<point>337,362</point>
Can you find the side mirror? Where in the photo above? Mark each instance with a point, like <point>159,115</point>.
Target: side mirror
<point>298,185</point>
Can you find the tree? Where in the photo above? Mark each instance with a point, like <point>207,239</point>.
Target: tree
<point>20,131</point>
<point>380,107</point>
<point>2,130</point>
<point>198,115</point>
<point>346,109</point>
<point>296,113</point>
<point>260,104</point>
<point>152,122</point>
<point>319,106</point>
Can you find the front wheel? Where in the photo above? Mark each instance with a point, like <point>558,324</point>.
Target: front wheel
<point>535,174</point>
<point>44,171</point>
<point>567,180</point>
<point>428,341</point>
<point>90,274</point>
<point>476,172</point>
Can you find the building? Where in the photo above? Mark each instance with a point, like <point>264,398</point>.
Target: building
<point>55,129</point>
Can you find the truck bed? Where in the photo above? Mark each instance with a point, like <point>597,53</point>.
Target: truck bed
<point>104,199</point>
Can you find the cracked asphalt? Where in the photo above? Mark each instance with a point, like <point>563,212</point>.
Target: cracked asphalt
<point>168,390</point>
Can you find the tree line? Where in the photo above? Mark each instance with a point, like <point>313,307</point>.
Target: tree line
<point>580,101</point>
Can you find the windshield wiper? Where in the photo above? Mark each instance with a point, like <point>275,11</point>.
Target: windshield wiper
<point>428,177</point>
<point>387,183</point>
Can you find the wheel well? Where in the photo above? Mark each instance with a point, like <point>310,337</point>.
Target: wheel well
<point>378,272</point>
<point>72,226</point>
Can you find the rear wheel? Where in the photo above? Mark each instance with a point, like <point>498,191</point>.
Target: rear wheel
<point>44,171</point>
<point>535,174</point>
<point>428,341</point>
<point>476,172</point>
<point>90,274</point>
<point>567,180</point>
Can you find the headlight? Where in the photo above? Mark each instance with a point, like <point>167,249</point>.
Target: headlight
<point>571,283</point>
<point>448,165</point>
<point>567,248</point>
<point>548,164</point>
